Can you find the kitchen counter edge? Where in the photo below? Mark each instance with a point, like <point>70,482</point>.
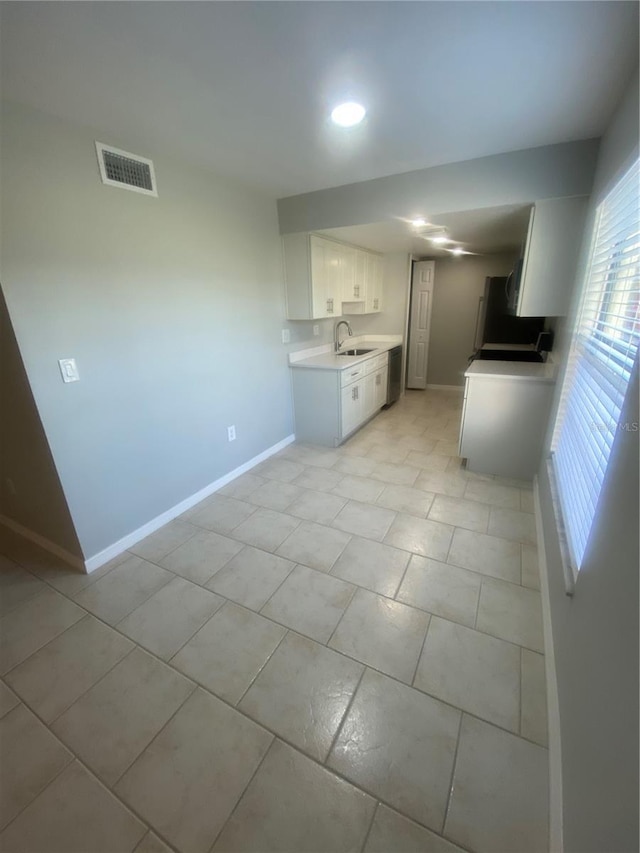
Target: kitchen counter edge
<point>524,370</point>
<point>330,361</point>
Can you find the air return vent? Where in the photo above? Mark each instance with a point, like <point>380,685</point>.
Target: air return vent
<point>128,171</point>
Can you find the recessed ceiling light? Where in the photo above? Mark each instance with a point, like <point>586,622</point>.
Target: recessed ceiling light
<point>418,223</point>
<point>346,115</point>
<point>440,239</point>
<point>457,251</point>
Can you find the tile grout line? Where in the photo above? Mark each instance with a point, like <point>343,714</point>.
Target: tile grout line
<point>399,586</point>
<point>475,621</point>
<point>46,643</point>
<point>194,688</point>
<point>415,670</point>
<point>520,705</point>
<point>453,774</point>
<point>334,739</point>
<point>244,791</point>
<point>49,725</point>
<point>260,670</point>
<point>342,615</point>
<point>205,621</point>
<point>371,822</point>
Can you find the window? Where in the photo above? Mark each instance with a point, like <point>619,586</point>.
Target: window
<point>601,357</point>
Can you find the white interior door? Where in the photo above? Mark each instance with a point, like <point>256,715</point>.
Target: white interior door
<point>420,323</point>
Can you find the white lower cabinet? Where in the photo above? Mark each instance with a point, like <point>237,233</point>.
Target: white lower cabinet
<point>380,388</point>
<point>503,425</point>
<point>353,406</point>
<point>332,404</point>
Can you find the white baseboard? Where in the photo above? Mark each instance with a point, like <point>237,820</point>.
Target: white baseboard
<point>102,557</point>
<point>69,558</point>
<point>445,387</point>
<point>556,842</point>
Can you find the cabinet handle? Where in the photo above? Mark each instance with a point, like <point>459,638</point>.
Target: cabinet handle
<point>353,393</point>
<point>357,390</point>
<point>375,303</point>
<point>329,306</point>
<point>378,378</point>
<point>356,290</point>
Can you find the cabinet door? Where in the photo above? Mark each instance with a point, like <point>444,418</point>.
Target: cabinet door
<point>380,387</point>
<point>352,400</point>
<point>349,287</point>
<point>374,284</point>
<point>360,279</point>
<point>551,256</point>
<point>326,277</point>
<point>369,395</point>
<point>319,278</point>
<point>333,269</point>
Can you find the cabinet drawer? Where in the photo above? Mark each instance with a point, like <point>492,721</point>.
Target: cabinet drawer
<point>352,374</point>
<point>370,366</point>
<point>381,360</point>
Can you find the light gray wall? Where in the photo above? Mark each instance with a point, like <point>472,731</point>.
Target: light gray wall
<point>596,632</point>
<point>36,500</point>
<point>458,286</point>
<point>520,177</point>
<point>172,308</point>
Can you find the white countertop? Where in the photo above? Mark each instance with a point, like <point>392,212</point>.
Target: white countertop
<point>324,358</point>
<point>526,370</point>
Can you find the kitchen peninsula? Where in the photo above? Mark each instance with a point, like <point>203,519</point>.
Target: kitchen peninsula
<point>504,416</point>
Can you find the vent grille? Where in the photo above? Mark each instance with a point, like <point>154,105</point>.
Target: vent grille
<point>125,170</point>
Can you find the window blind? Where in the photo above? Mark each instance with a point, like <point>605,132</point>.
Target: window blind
<point>603,349</point>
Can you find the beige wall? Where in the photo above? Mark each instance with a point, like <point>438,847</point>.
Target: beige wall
<point>458,285</point>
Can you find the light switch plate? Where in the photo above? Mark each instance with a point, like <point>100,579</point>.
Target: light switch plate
<point>69,370</point>
<point>316,330</point>
<point>286,336</point>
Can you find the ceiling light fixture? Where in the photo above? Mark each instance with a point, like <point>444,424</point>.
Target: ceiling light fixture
<point>349,114</point>
<point>418,223</point>
<point>440,239</point>
<point>458,251</point>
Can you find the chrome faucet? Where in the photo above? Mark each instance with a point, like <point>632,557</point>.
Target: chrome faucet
<point>336,339</point>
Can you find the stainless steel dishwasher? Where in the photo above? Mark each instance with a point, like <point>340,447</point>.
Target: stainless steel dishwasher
<point>395,375</point>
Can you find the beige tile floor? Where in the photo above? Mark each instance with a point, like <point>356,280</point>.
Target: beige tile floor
<point>339,651</point>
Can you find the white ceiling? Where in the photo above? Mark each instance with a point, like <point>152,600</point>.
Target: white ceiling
<point>486,231</point>
<point>245,88</point>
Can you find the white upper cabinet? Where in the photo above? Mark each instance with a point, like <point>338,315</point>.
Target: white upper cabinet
<point>322,274</point>
<point>373,299</point>
<point>551,256</point>
<point>313,271</point>
<point>367,290</point>
<point>352,285</point>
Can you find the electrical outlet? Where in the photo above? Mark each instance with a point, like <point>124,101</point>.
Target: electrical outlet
<point>231,433</point>
<point>316,330</point>
<point>286,336</point>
